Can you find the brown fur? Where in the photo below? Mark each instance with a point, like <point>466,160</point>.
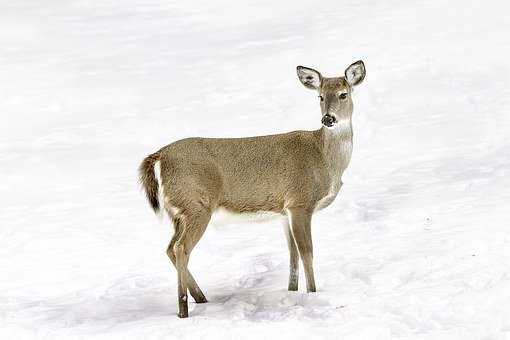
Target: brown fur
<point>268,173</point>
<point>148,180</point>
<point>292,174</point>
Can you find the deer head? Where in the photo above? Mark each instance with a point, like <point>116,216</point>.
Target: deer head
<point>334,93</point>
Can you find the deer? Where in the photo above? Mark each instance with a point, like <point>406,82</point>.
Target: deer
<point>291,176</point>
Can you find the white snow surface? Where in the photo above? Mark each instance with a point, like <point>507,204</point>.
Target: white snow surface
<point>416,245</point>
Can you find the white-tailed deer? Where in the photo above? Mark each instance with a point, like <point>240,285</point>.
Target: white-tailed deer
<point>293,174</point>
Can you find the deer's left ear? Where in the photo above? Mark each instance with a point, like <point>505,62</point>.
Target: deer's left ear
<point>309,77</point>
<point>355,73</point>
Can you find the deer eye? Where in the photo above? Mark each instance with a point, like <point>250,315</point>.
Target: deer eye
<point>342,96</point>
<point>321,98</point>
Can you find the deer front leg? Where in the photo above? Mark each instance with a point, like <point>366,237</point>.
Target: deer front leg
<point>294,255</point>
<point>301,222</point>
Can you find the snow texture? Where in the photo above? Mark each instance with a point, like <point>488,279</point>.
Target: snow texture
<point>416,246</point>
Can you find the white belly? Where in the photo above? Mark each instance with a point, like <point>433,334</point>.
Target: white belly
<point>222,216</point>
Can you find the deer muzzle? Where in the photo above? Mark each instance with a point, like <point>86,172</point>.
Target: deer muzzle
<point>328,120</point>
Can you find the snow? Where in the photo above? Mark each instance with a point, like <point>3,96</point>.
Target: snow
<point>416,245</point>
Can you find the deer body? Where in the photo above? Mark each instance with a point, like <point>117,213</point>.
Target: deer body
<point>291,175</point>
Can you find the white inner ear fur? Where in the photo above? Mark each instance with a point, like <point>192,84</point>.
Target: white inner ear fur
<point>309,77</point>
<point>355,73</point>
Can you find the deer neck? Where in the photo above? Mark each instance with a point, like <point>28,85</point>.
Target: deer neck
<point>337,146</point>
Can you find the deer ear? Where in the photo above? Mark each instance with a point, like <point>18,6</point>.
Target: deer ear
<point>309,77</point>
<point>355,73</point>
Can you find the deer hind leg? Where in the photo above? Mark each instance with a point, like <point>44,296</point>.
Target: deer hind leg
<point>193,287</point>
<point>294,255</point>
<point>191,227</point>
<point>300,222</point>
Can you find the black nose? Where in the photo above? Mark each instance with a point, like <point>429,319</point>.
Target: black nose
<point>328,120</point>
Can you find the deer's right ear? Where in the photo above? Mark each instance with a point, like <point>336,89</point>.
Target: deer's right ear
<point>309,77</point>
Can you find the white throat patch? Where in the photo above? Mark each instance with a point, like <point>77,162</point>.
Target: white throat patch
<point>341,125</point>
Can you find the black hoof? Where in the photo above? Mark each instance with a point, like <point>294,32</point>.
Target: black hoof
<point>182,315</point>
<point>204,300</point>
<point>183,309</point>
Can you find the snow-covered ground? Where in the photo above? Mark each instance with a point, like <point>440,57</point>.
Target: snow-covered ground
<point>416,246</point>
